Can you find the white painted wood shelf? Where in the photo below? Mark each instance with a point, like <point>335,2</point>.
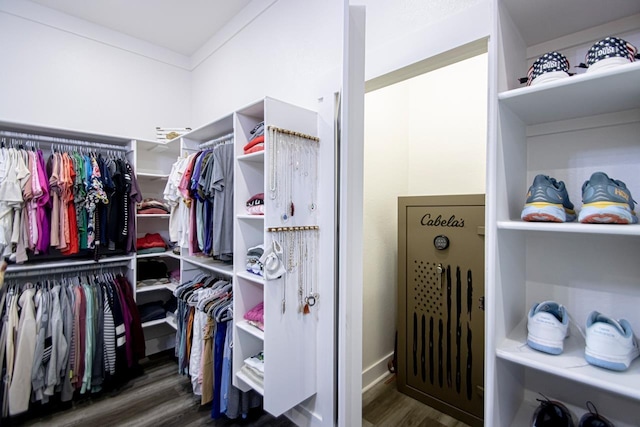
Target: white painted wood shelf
<point>582,95</point>
<point>258,388</point>
<point>257,157</point>
<point>250,329</point>
<point>67,263</point>
<point>571,227</point>
<point>169,254</point>
<point>153,216</point>
<point>210,264</point>
<point>251,277</point>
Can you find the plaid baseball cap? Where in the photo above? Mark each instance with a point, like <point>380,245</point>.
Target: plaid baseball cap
<point>550,66</point>
<point>608,52</point>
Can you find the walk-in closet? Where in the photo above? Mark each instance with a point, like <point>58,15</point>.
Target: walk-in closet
<point>206,210</point>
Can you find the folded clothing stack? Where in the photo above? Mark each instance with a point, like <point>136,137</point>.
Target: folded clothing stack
<point>152,206</point>
<point>156,310</point>
<point>150,243</point>
<point>255,316</point>
<point>255,205</point>
<point>254,368</point>
<point>257,140</point>
<point>254,265</point>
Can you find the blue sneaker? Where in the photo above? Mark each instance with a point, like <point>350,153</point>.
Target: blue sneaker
<point>606,201</point>
<point>548,201</point>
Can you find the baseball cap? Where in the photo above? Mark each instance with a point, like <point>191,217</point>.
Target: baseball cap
<point>609,52</point>
<point>549,67</point>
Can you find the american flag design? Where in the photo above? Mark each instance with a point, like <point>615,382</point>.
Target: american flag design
<point>551,61</point>
<point>611,47</point>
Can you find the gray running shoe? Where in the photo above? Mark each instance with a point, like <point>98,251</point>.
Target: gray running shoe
<point>548,201</point>
<point>606,201</point>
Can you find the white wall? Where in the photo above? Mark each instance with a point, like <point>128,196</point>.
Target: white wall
<point>288,53</point>
<point>54,77</point>
<point>423,136</point>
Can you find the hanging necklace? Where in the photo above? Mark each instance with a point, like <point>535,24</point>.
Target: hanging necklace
<point>313,175</point>
<point>273,165</point>
<point>312,296</point>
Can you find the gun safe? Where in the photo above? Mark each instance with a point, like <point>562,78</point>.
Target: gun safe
<point>441,303</point>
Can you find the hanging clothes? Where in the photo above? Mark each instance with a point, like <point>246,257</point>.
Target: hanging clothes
<point>61,206</point>
<point>199,192</point>
<point>78,334</point>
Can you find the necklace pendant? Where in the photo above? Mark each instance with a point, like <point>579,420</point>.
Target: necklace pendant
<point>306,309</point>
<point>292,209</point>
<point>313,207</point>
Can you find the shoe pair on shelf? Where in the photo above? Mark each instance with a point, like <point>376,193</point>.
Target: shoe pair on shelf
<point>604,201</point>
<point>551,413</point>
<point>610,343</point>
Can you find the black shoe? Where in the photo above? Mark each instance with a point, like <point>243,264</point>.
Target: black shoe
<point>593,418</point>
<point>552,414</point>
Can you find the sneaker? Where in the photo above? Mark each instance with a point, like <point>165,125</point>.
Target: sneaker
<point>606,201</point>
<point>610,343</point>
<point>551,413</point>
<point>548,201</point>
<point>547,326</point>
<point>593,418</point>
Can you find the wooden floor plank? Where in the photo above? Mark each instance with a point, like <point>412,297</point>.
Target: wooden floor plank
<point>162,398</point>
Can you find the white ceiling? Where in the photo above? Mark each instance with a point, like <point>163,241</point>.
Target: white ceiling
<point>181,26</point>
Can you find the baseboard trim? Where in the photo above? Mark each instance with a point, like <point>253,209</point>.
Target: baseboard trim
<point>376,373</point>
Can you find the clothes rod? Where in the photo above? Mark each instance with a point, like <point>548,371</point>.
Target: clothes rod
<point>294,133</point>
<point>64,270</point>
<point>60,141</point>
<point>217,140</point>
<point>301,228</point>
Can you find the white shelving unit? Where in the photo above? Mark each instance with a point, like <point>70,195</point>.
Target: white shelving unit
<point>153,164</point>
<point>567,129</point>
<point>289,339</point>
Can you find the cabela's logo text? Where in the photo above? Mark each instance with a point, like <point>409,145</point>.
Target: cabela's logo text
<point>438,221</point>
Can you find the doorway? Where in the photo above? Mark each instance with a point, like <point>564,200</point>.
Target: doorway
<point>425,133</point>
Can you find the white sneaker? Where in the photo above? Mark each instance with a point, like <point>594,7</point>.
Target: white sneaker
<point>548,326</point>
<point>610,343</point>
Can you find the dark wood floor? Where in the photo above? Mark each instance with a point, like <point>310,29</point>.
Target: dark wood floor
<point>384,406</point>
<point>162,398</point>
<point>158,398</point>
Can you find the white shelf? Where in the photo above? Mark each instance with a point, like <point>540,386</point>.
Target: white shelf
<point>583,95</point>
<point>257,157</point>
<point>210,264</point>
<point>152,175</point>
<point>570,364</point>
<point>156,322</point>
<point>153,215</point>
<point>171,321</point>
<point>168,253</point>
<point>164,287</point>
<point>250,217</point>
<point>248,381</point>
<point>251,277</point>
<point>243,325</point>
<point>572,227</point>
<point>14,268</point>
<point>152,288</point>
